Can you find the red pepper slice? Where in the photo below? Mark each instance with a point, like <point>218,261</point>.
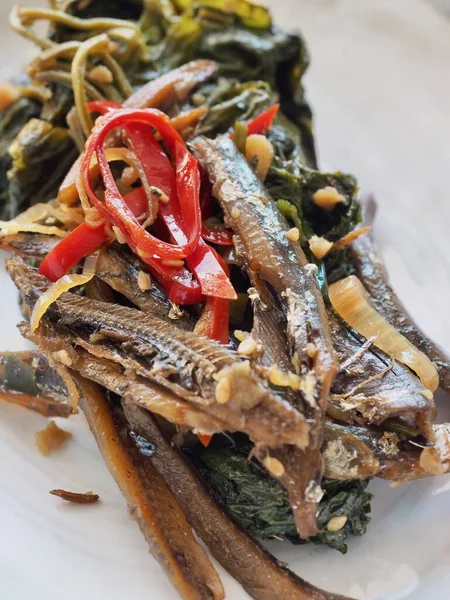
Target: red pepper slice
<point>102,106</point>
<point>217,235</point>
<point>204,438</point>
<point>160,173</point>
<point>114,208</point>
<point>262,123</point>
<point>216,312</point>
<point>216,322</point>
<point>80,242</point>
<point>83,241</point>
<point>206,200</point>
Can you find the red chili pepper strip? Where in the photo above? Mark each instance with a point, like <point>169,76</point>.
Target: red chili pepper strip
<point>204,438</point>
<point>216,313</point>
<point>114,208</point>
<point>160,173</point>
<point>212,278</point>
<point>83,241</point>
<point>103,106</point>
<point>80,242</point>
<point>263,122</point>
<point>215,319</point>
<point>217,235</point>
<point>221,310</point>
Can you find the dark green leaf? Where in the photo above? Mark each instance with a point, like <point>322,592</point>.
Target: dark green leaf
<point>260,504</point>
<point>295,183</point>
<point>247,50</point>
<point>11,122</point>
<point>42,155</point>
<point>18,376</point>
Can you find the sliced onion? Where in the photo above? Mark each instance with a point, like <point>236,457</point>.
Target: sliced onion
<point>351,301</point>
<point>68,193</point>
<point>29,220</point>
<point>64,284</point>
<point>13,227</point>
<point>35,213</point>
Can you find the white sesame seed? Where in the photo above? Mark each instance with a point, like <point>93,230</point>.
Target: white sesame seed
<point>173,263</point>
<point>293,235</point>
<point>336,523</point>
<point>223,391</point>
<point>327,198</point>
<point>247,346</point>
<point>427,394</point>
<point>119,235</point>
<point>144,281</point>
<point>274,466</point>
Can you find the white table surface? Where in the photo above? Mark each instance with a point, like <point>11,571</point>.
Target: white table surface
<point>380,86</point>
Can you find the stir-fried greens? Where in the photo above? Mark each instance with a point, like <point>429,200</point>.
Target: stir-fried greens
<point>206,295</point>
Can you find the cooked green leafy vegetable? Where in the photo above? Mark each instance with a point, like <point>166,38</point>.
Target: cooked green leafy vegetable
<point>241,38</point>
<point>42,155</point>
<point>260,504</point>
<point>291,181</point>
<point>11,122</point>
<point>232,101</point>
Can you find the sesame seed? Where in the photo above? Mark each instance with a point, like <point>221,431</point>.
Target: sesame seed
<point>240,335</point>
<point>96,337</point>
<point>311,350</point>
<point>235,213</point>
<point>293,235</point>
<point>319,246</point>
<point>144,281</point>
<point>223,391</point>
<point>336,523</point>
<point>119,235</point>
<point>63,357</point>
<point>101,74</point>
<point>327,198</point>
<point>274,466</point>
<point>284,378</point>
<point>247,346</point>
<point>164,198</point>
<point>173,263</point>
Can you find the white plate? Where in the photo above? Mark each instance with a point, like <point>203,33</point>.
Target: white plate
<point>380,87</point>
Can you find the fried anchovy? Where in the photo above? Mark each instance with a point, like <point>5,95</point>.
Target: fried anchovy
<point>300,473</point>
<point>372,272</point>
<point>52,340</point>
<point>402,459</point>
<point>262,245</point>
<point>29,380</point>
<point>115,267</point>
<point>263,577</point>
<point>30,245</point>
<point>172,87</point>
<point>190,366</point>
<point>150,502</point>
<point>373,388</point>
<point>46,394</point>
<point>120,270</point>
